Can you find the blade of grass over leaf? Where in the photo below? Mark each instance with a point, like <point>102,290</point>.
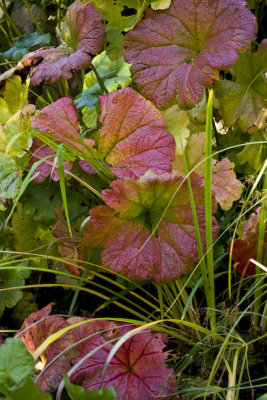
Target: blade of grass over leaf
<point>208,211</point>
<point>62,184</point>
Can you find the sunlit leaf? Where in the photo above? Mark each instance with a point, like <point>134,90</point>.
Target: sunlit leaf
<point>13,96</point>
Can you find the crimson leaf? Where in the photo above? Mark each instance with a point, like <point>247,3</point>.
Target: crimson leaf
<point>134,210</point>
<point>183,48</point>
<point>137,371</point>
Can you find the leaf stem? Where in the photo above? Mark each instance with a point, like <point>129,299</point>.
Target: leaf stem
<point>99,79</point>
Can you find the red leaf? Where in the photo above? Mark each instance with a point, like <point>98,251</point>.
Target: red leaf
<point>246,247</point>
<point>133,137</point>
<point>134,210</point>
<point>39,150</point>
<point>83,34</point>
<point>183,48</point>
<point>137,371</point>
<point>37,334</point>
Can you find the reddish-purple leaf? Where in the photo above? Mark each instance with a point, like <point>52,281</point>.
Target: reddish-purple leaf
<point>182,49</point>
<point>83,34</point>
<point>134,210</point>
<point>138,369</point>
<point>60,121</point>
<point>133,137</point>
<point>245,247</point>
<point>37,334</point>
<point>49,167</point>
<point>68,247</point>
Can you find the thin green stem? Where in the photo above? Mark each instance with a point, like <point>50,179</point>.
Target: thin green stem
<point>260,255</point>
<point>38,27</point>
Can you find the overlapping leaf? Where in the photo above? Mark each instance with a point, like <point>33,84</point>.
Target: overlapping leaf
<point>182,49</point>
<point>82,34</point>
<point>243,100</point>
<point>134,210</point>
<point>10,180</point>
<point>136,371</point>
<point>245,247</point>
<point>59,121</point>
<point>36,335</point>
<point>225,186</point>
<point>133,137</point>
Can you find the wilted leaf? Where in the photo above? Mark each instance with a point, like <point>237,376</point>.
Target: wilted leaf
<point>243,99</point>
<point>225,186</point>
<point>134,209</point>
<point>13,96</point>
<point>82,34</point>
<point>37,334</point>
<point>133,137</point>
<point>245,247</point>
<point>182,49</point>
<point>26,43</point>
<point>77,392</point>
<point>137,371</point>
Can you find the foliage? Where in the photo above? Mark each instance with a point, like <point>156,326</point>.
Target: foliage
<point>77,392</point>
<point>16,369</point>
<point>133,185</point>
<point>26,43</point>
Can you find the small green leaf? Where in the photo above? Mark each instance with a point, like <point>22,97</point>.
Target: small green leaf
<point>16,363</point>
<point>26,390</point>
<point>25,44</point>
<point>77,392</point>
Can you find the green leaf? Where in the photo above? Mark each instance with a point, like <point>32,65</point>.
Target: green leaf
<point>177,125</point>
<point>160,4</point>
<point>40,201</point>
<point>13,97</point>
<point>10,180</point>
<point>26,390</point>
<point>114,74</point>
<point>10,279</point>
<point>243,99</point>
<point>15,137</point>
<point>24,44</point>
<point>16,363</point>
<point>77,392</point>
